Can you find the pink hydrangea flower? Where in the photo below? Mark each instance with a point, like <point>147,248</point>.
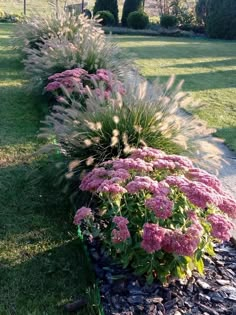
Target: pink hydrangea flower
<point>142,183</point>
<point>108,186</point>
<point>198,193</point>
<point>197,174</point>
<point>228,205</point>
<point>147,154</point>
<point>93,179</point>
<point>122,233</point>
<point>81,214</point>
<point>182,244</point>
<point>131,164</point>
<point>161,206</point>
<point>221,227</point>
<point>53,86</point>
<point>153,236</point>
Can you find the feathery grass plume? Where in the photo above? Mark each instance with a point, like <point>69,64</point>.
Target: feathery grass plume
<point>37,27</point>
<point>149,114</point>
<point>88,49</point>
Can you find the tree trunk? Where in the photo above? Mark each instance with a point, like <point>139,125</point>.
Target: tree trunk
<point>24,7</point>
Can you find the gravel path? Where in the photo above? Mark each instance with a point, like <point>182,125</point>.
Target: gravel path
<point>227,174</point>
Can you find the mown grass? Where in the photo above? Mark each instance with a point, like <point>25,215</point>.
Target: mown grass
<point>207,66</point>
<point>43,265</point>
<point>40,6</point>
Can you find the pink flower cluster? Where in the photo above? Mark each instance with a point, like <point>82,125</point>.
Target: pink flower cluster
<point>183,244</point>
<point>147,154</point>
<point>161,206</point>
<point>221,227</point>
<point>122,233</point>
<point>153,236</point>
<point>81,214</point>
<point>203,194</point>
<point>199,175</point>
<point>76,81</point>
<point>133,164</point>
<point>146,183</point>
<point>105,180</point>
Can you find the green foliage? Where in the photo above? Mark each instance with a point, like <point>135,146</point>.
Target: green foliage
<point>148,224</point>
<point>221,19</point>
<point>130,6</point>
<point>201,11</point>
<point>168,21</point>
<point>10,17</point>
<point>138,20</point>
<point>107,18</point>
<point>2,14</point>
<point>104,5</point>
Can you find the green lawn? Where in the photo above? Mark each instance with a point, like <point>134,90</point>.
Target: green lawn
<point>41,6</point>
<point>42,263</point>
<point>207,66</point>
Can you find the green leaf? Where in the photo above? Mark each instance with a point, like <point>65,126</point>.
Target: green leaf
<point>210,249</point>
<point>150,278</point>
<point>199,265</point>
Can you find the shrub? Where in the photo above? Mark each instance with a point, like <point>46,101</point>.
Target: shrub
<point>138,20</point>
<point>221,19</point>
<point>157,213</point>
<point>104,5</point>
<point>10,18</point>
<point>89,49</point>
<point>130,6</point>
<point>2,14</point>
<point>107,18</point>
<point>168,21</point>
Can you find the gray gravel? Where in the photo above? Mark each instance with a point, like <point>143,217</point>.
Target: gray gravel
<point>227,173</point>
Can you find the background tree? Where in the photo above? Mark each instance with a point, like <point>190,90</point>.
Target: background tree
<point>130,6</point>
<point>105,5</point>
<point>201,10</point>
<point>221,19</point>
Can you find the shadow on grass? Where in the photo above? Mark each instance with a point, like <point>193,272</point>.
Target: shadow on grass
<point>43,265</point>
<point>203,81</point>
<point>44,283</point>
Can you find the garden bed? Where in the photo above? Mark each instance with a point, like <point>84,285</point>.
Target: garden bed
<point>123,293</point>
<point>176,32</point>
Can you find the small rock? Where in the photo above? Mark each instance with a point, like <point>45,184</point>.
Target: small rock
<point>155,300</point>
<point>232,297</point>
<point>152,310</point>
<point>204,298</point>
<point>168,305</point>
<point>228,289</point>
<point>217,298</point>
<point>135,299</point>
<point>207,309</point>
<point>222,282</point>
<point>204,285</point>
<point>189,304</point>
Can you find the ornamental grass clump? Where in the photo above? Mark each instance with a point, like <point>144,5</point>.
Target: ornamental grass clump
<point>37,27</point>
<point>157,213</point>
<point>88,49</point>
<point>135,114</point>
